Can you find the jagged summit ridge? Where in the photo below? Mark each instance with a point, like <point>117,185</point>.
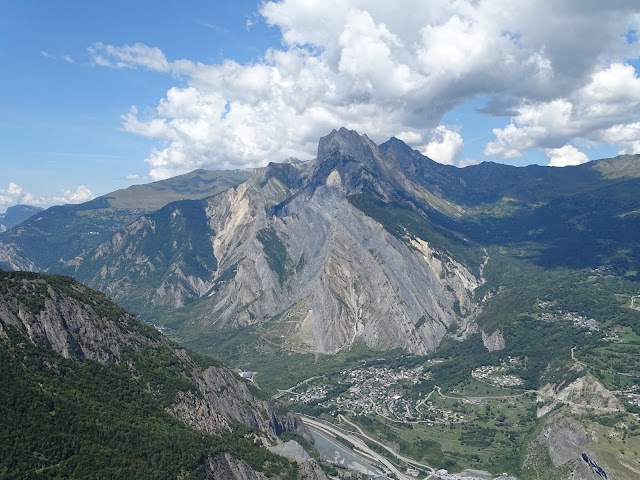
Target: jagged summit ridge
<point>346,142</point>
<point>352,163</point>
<point>290,243</point>
<point>365,244</point>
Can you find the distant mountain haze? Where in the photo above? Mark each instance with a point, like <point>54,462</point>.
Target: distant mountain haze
<point>15,215</point>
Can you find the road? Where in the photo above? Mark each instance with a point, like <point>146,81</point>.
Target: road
<point>495,397</point>
<point>573,357</point>
<point>391,451</point>
<point>291,389</point>
<point>362,447</point>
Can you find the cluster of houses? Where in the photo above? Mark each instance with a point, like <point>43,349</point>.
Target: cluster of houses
<point>632,395</point>
<point>379,391</point>
<point>497,376</point>
<point>579,321</point>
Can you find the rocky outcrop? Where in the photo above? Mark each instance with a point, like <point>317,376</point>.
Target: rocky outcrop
<point>220,396</point>
<point>14,258</point>
<point>69,326</point>
<point>80,324</point>
<point>589,393</point>
<point>568,444</point>
<point>583,395</point>
<point>290,422</point>
<point>310,470</point>
<point>566,440</point>
<point>493,342</point>
<point>224,466</point>
<point>291,246</point>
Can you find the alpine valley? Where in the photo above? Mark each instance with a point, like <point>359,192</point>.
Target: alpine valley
<point>91,392</point>
<point>485,317</point>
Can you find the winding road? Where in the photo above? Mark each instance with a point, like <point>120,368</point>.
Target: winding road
<point>494,397</point>
<point>291,389</point>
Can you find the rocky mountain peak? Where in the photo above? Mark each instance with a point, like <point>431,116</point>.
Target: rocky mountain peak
<point>350,161</point>
<point>347,142</point>
<point>397,146</point>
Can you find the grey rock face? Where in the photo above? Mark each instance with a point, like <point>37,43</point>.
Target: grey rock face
<point>72,329</point>
<point>330,273</point>
<point>289,422</point>
<point>310,470</point>
<point>566,440</point>
<point>583,395</point>
<point>224,466</point>
<point>567,443</point>
<point>493,342</point>
<point>12,256</point>
<point>75,330</point>
<point>221,396</point>
<point>291,449</point>
<point>584,471</point>
<point>288,250</point>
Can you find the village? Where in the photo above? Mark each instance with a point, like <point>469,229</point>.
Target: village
<point>632,395</point>
<point>497,375</point>
<point>588,325</point>
<point>379,391</point>
<point>579,321</point>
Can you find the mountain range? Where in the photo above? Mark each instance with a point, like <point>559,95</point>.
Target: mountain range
<point>366,244</point>
<point>366,257</point>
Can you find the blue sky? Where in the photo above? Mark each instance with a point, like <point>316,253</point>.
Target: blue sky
<point>60,124</point>
<point>97,96</point>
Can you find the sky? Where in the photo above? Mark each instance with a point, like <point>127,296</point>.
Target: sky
<point>96,96</point>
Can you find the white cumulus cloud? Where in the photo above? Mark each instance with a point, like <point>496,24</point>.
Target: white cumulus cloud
<point>14,194</point>
<point>395,69</point>
<point>605,109</point>
<point>10,195</point>
<point>445,146</point>
<point>626,136</point>
<point>565,156</point>
<point>79,195</point>
<point>14,189</point>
